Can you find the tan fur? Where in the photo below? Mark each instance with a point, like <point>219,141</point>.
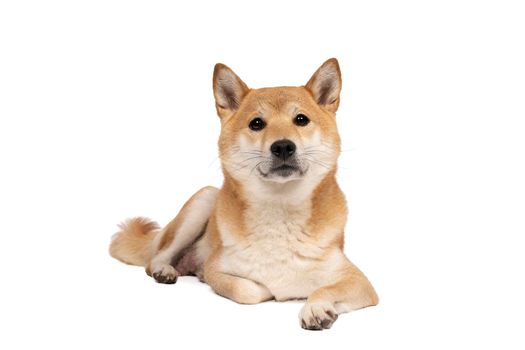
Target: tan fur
<point>169,230</point>
<point>267,236</point>
<point>132,244</point>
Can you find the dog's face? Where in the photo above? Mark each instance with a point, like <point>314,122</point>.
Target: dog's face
<point>278,134</point>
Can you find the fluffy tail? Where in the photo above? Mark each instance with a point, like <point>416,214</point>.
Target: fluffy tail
<point>133,243</point>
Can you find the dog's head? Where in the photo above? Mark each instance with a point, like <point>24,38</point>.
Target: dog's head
<point>278,134</point>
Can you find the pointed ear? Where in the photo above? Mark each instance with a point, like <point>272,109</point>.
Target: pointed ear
<point>325,85</point>
<point>228,89</point>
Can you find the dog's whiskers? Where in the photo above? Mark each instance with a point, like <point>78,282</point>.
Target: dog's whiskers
<point>257,165</point>
<point>254,162</point>
<point>311,159</point>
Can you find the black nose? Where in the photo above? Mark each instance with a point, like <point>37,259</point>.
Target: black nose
<point>283,149</point>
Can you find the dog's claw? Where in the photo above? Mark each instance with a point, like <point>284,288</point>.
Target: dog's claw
<point>166,279</point>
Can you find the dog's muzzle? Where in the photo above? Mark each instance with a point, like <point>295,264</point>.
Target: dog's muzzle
<point>284,159</point>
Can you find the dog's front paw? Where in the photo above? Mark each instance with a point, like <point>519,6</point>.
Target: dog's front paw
<point>165,274</point>
<point>317,315</point>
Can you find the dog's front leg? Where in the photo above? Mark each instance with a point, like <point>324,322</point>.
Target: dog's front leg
<point>351,291</point>
<point>238,289</point>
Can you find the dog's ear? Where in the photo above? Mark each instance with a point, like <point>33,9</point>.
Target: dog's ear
<point>228,89</point>
<point>325,85</point>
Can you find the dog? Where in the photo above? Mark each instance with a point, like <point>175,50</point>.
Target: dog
<point>275,229</point>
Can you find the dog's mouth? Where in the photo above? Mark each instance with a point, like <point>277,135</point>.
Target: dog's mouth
<point>282,171</point>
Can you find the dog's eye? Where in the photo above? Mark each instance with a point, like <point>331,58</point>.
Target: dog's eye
<point>257,124</point>
<point>301,120</point>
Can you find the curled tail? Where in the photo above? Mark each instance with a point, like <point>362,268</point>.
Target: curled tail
<point>133,244</point>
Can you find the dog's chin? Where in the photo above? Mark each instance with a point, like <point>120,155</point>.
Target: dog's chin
<point>283,173</point>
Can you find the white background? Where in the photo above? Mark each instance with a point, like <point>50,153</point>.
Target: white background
<point>107,112</point>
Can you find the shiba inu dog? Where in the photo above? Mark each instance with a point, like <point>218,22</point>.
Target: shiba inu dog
<point>275,230</point>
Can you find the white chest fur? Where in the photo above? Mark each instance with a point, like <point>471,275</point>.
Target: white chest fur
<point>278,251</point>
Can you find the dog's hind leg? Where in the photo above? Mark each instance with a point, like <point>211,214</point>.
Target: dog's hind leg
<point>241,290</point>
<point>177,237</point>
